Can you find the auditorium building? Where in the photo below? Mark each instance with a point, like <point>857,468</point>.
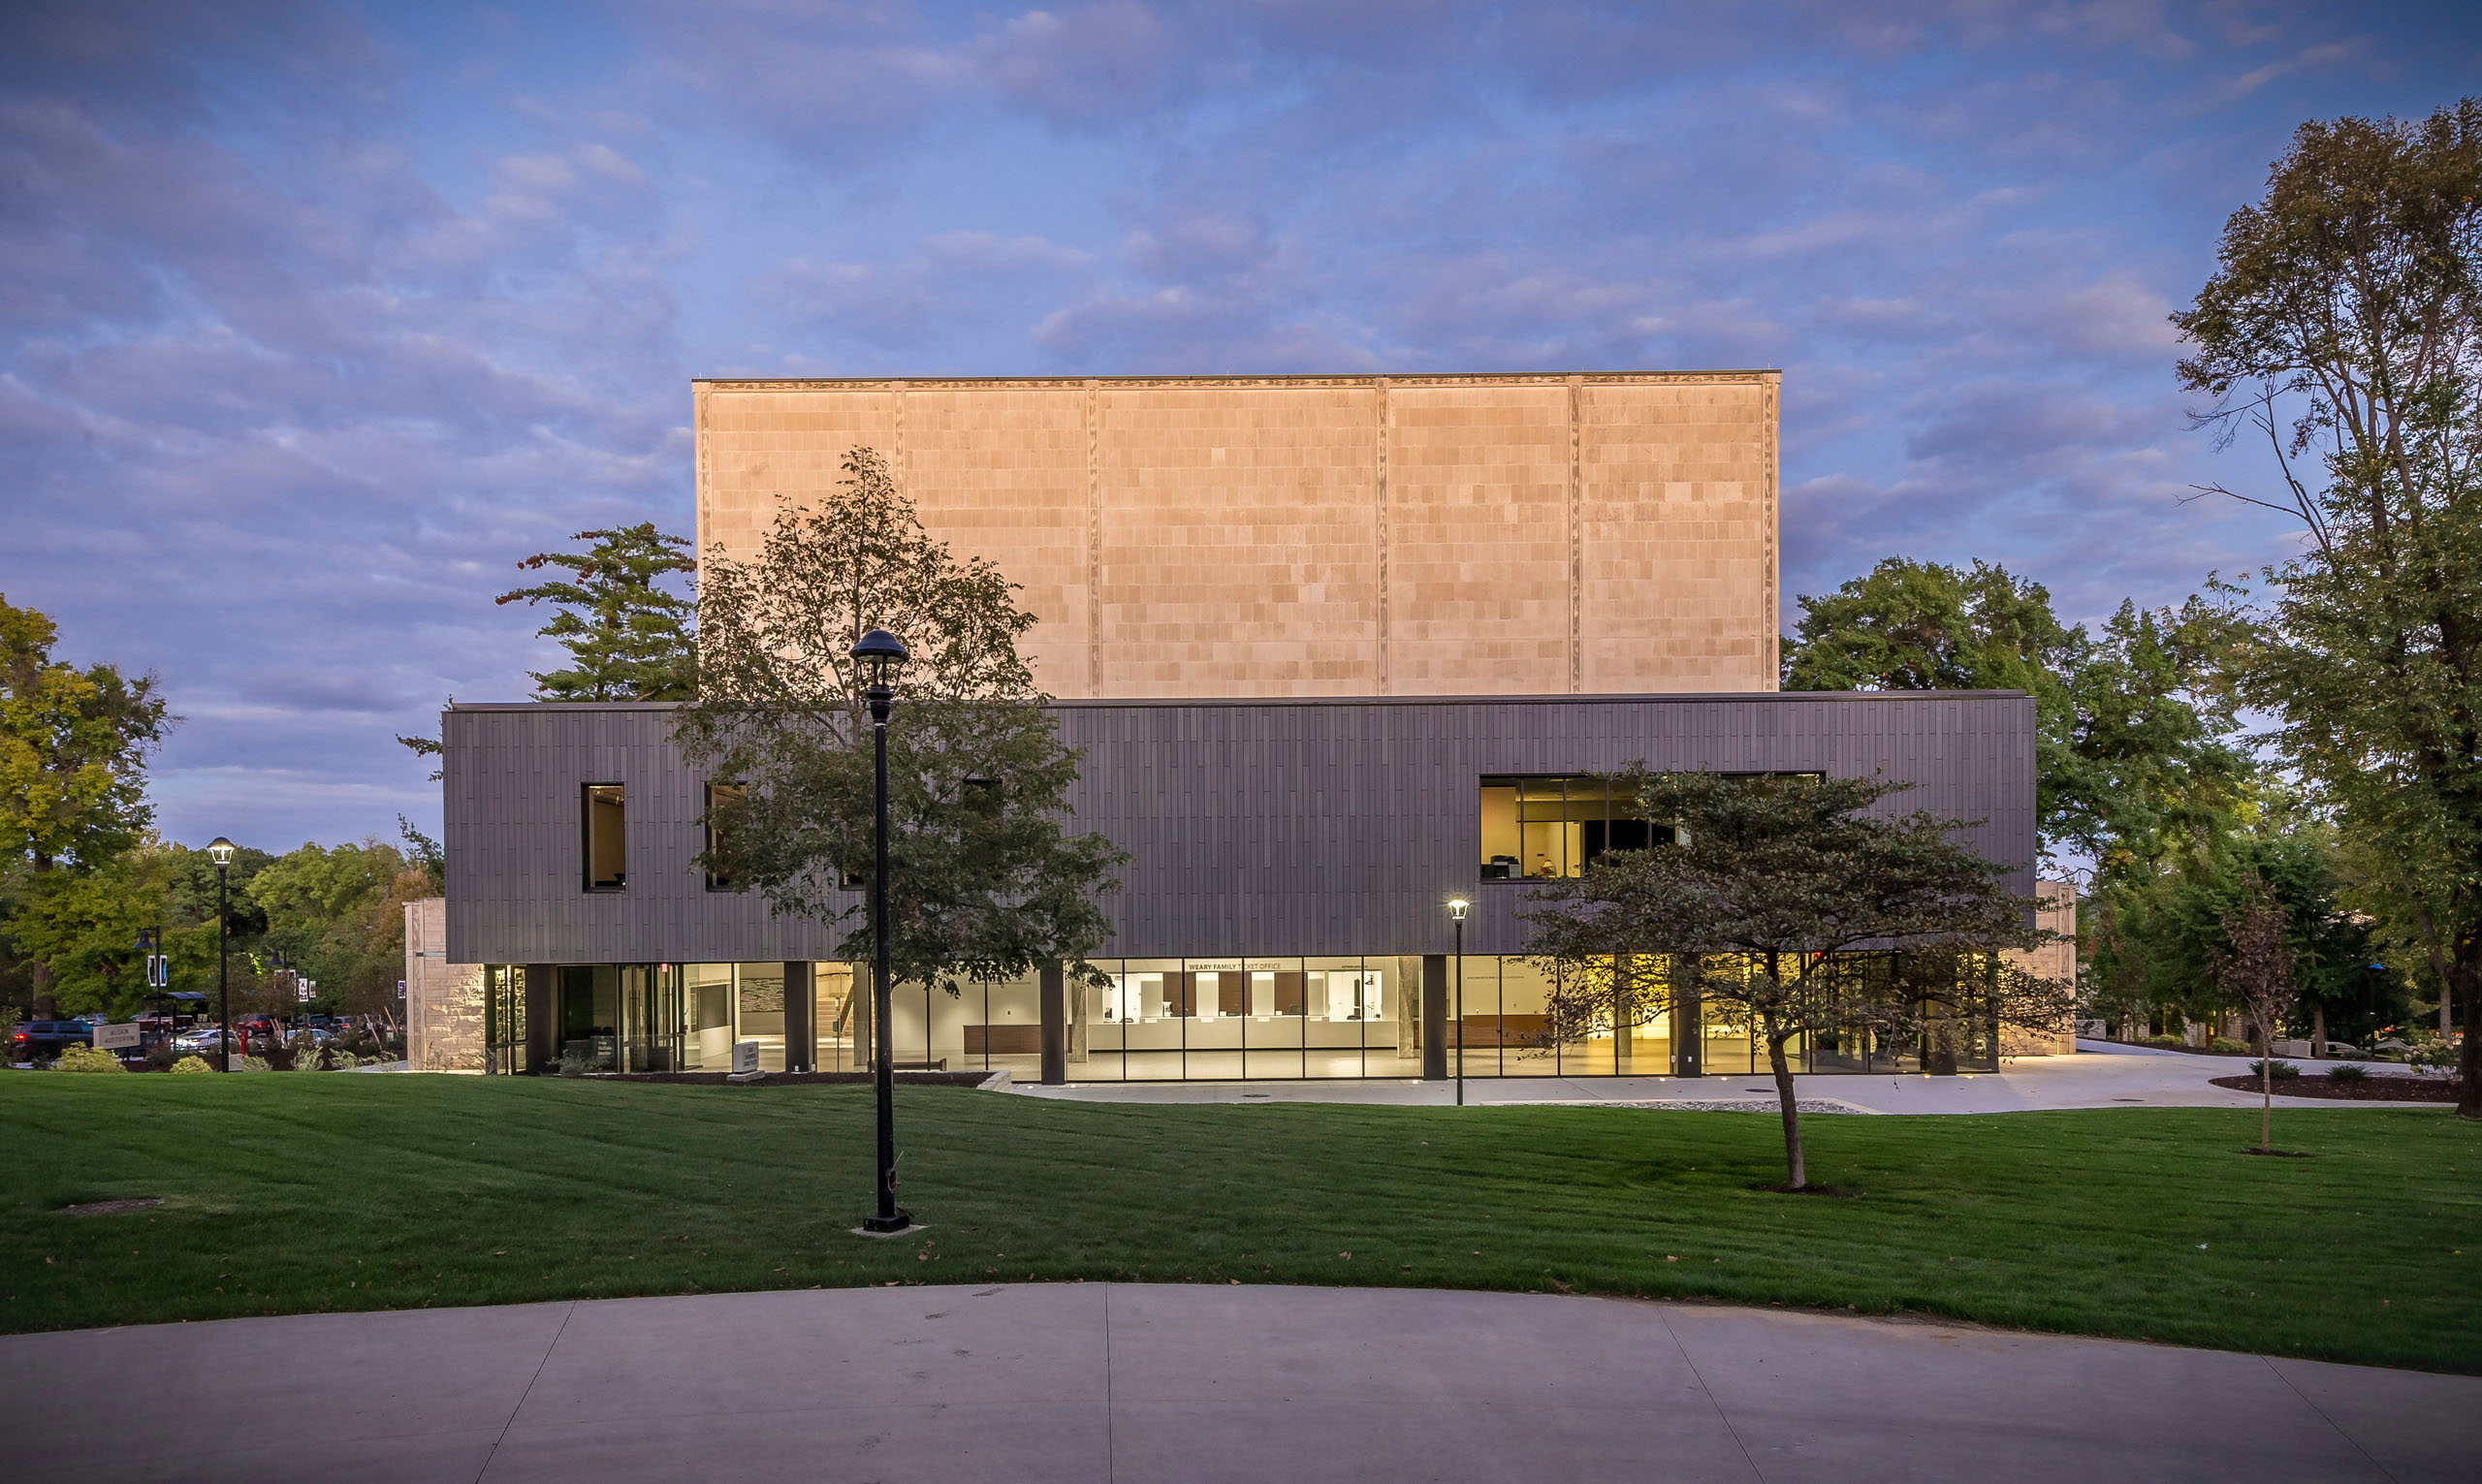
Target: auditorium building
<point>1337,650</point>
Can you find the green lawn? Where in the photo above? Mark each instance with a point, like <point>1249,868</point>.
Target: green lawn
<point>291,1193</point>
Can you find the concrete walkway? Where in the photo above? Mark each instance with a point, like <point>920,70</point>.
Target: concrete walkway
<point>2101,1075</point>
<point>1138,1383</point>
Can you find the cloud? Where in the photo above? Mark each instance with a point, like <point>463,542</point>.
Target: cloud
<point>314,319</point>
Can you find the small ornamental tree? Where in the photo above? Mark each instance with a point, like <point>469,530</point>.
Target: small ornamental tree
<point>1785,905</point>
<point>984,882</point>
<point>2254,967</point>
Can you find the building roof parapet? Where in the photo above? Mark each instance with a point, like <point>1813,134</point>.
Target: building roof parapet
<point>1676,698</point>
<point>1313,379</point>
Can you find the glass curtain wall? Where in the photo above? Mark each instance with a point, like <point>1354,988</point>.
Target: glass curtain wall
<point>1247,1019</point>
<point>1168,1020</point>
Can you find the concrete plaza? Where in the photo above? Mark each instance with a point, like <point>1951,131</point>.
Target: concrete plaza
<point>1133,1383</point>
<point>2101,1075</point>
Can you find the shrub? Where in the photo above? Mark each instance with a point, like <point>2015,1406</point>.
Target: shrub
<point>307,1058</point>
<point>2282,1069</point>
<point>2226,1045</point>
<point>252,1064</point>
<point>2348,1072</point>
<point>2168,1042</point>
<point>86,1059</point>
<point>192,1064</point>
<point>2432,1053</point>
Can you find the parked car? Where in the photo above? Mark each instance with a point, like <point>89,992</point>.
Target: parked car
<point>43,1040</point>
<point>199,1040</point>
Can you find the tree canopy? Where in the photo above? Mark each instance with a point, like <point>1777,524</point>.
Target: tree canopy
<point>986,884</point>
<point>2344,325</point>
<point>73,745</point>
<point>2130,746</point>
<point>628,637</point>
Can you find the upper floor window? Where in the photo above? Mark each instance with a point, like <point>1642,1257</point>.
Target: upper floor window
<point>720,875</point>
<point>1539,828</point>
<point>606,825</point>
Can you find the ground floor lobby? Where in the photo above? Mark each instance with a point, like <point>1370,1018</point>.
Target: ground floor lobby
<point>1307,1019</point>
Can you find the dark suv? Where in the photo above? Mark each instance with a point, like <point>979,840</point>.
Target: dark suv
<point>42,1040</point>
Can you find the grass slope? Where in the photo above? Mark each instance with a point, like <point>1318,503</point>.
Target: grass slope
<point>286,1194</point>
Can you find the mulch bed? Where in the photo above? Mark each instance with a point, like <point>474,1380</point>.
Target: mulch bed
<point>968,1079</point>
<point>2373,1089</point>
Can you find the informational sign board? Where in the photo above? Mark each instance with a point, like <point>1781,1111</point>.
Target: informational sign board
<point>745,1057</point>
<point>116,1037</point>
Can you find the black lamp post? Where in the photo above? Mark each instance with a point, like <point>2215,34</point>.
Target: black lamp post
<point>1456,914</point>
<point>877,655</point>
<point>222,850</point>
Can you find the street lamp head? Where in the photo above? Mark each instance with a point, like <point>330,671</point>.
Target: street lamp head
<point>1456,907</point>
<point>222,850</point>
<point>877,655</point>
<point>880,653</point>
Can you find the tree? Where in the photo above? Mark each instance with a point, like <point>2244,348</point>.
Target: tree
<point>2128,744</point>
<point>72,750</point>
<point>629,638</point>
<point>2156,933</point>
<point>338,915</point>
<point>2343,324</point>
<point>2151,766</point>
<point>986,884</point>
<point>1791,908</point>
<point>83,927</point>
<point>2254,964</point>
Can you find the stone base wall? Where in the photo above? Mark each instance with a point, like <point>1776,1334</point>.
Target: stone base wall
<point>443,1000</point>
<point>2052,960</point>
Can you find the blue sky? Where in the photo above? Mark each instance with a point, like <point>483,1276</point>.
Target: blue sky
<point>314,319</point>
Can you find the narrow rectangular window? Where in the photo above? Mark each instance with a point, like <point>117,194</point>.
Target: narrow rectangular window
<point>725,797</point>
<point>606,825</point>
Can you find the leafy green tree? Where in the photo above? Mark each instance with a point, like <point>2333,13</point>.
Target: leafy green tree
<point>73,745</point>
<point>985,883</point>
<point>2158,935</point>
<point>628,637</point>
<point>2151,763</point>
<point>72,750</point>
<point>2129,745</point>
<point>2343,323</point>
<point>1778,903</point>
<point>83,927</point>
<point>337,916</point>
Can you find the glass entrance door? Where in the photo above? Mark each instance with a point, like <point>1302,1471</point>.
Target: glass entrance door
<point>652,1009</point>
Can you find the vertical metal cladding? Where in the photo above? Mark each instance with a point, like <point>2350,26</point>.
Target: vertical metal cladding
<point>1257,828</point>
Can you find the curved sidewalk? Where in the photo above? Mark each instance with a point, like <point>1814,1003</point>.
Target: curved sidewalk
<point>1135,1384</point>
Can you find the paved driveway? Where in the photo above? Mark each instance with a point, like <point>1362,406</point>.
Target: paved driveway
<point>1133,1383</point>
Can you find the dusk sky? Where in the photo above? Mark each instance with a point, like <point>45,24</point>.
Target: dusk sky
<point>314,320</point>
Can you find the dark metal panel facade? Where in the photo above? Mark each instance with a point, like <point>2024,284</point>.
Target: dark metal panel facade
<point>1257,828</point>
